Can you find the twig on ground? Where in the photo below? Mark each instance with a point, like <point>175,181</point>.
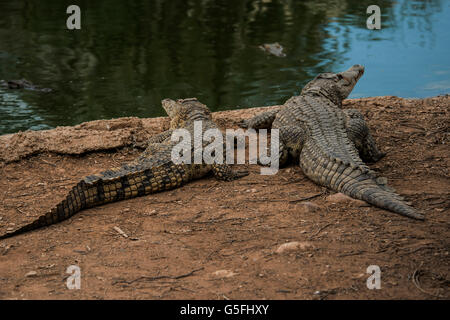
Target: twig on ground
<point>45,161</point>
<point>320,230</point>
<point>283,200</point>
<point>120,231</point>
<point>415,280</point>
<point>306,198</point>
<point>350,254</point>
<point>146,278</point>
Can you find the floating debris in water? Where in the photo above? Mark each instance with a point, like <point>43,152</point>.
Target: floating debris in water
<point>273,48</point>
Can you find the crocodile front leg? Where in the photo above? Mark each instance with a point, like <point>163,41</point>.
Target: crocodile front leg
<point>261,121</point>
<point>359,133</point>
<point>225,173</point>
<point>158,138</point>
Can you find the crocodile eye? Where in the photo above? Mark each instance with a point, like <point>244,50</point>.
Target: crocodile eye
<point>341,77</point>
<point>327,75</point>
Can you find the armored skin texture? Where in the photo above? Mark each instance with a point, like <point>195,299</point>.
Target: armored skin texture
<point>331,143</point>
<point>154,171</point>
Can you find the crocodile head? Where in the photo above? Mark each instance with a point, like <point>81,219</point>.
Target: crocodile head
<point>335,86</point>
<point>183,111</point>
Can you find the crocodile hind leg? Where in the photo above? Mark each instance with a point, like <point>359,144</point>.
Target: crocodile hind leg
<point>260,121</point>
<point>291,139</point>
<point>155,153</point>
<point>359,133</point>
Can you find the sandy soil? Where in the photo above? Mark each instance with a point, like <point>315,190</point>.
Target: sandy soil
<point>221,240</point>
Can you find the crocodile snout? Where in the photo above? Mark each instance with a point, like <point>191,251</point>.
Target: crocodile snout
<point>353,73</point>
<point>359,68</point>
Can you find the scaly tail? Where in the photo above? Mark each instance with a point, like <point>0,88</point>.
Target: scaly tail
<point>109,186</point>
<point>355,181</point>
<point>359,184</point>
<point>74,202</point>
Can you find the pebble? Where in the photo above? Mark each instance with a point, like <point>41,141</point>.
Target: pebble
<point>309,207</point>
<point>31,274</point>
<point>295,245</point>
<point>338,197</point>
<point>223,274</point>
<point>342,198</point>
<point>151,213</point>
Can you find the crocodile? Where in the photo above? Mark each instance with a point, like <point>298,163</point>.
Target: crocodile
<point>332,144</point>
<point>153,171</point>
<point>22,84</point>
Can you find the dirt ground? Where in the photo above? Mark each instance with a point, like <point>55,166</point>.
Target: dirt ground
<point>221,240</point>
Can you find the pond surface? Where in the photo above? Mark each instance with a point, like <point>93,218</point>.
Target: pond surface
<point>129,55</point>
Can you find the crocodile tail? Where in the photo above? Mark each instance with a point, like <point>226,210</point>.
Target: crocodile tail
<point>360,184</point>
<point>128,181</point>
<point>73,203</point>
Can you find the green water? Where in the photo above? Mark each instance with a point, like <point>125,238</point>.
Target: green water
<point>129,55</point>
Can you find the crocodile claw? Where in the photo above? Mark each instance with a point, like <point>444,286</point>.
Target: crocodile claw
<point>240,174</point>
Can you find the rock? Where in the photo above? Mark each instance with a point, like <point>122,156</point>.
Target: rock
<point>151,213</point>
<point>223,274</point>
<point>342,198</point>
<point>360,203</point>
<point>309,207</point>
<point>31,274</point>
<point>338,197</point>
<point>295,245</point>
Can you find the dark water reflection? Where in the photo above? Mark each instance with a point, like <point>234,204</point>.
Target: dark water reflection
<point>131,54</point>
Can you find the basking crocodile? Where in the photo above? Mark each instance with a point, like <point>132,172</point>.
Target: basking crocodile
<point>152,172</point>
<point>331,143</point>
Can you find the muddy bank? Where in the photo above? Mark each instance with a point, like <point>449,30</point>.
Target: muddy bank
<point>261,237</point>
<point>99,135</point>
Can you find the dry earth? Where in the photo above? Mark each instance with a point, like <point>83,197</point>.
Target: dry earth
<point>228,240</point>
